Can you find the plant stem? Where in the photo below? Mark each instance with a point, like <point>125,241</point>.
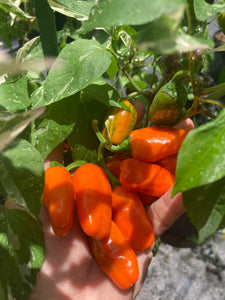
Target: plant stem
<point>131,81</point>
<point>47,28</point>
<point>219,87</point>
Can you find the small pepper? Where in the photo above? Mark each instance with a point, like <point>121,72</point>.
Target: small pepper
<point>119,122</point>
<point>150,144</point>
<point>168,104</point>
<point>146,178</point>
<point>169,163</point>
<point>113,163</point>
<point>130,216</point>
<point>58,197</point>
<point>93,200</point>
<point>147,199</point>
<point>116,258</point>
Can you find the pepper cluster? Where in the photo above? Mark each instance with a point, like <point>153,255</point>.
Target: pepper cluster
<point>114,218</point>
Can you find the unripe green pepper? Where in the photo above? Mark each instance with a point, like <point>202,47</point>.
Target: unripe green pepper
<point>168,104</point>
<point>169,64</point>
<point>119,122</point>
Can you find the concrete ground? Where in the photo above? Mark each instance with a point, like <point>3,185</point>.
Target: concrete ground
<point>191,273</point>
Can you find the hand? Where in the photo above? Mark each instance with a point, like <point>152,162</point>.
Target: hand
<point>70,271</point>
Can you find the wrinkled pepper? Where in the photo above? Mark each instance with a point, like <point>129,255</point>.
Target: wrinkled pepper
<point>168,104</point>
<point>146,178</point>
<point>93,200</point>
<point>130,216</point>
<point>116,258</point>
<point>119,122</point>
<point>58,197</point>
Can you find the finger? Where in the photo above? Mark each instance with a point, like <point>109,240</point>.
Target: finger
<point>56,155</point>
<point>144,259</point>
<point>165,211</point>
<point>188,123</point>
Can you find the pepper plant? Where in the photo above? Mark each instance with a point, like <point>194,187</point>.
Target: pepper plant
<point>61,78</point>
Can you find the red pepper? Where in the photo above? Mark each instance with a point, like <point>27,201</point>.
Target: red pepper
<point>93,200</point>
<point>116,258</point>
<point>130,216</point>
<point>169,163</point>
<point>147,199</point>
<point>58,197</point>
<point>114,162</point>
<point>146,178</point>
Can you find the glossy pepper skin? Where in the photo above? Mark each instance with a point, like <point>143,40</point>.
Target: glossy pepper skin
<point>119,123</point>
<point>146,178</point>
<point>150,144</point>
<point>93,200</point>
<point>168,105</point>
<point>130,216</point>
<point>58,197</point>
<point>116,258</point>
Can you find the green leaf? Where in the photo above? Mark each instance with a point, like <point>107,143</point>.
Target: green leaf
<point>79,64</point>
<point>107,13</point>
<point>78,9</point>
<point>14,95</point>
<point>205,207</point>
<point>100,91</point>
<point>83,141</point>
<point>113,68</point>
<point>55,125</point>
<point>201,158</point>
<point>11,125</point>
<point>204,10</point>
<point>21,253</point>
<point>22,175</point>
<point>49,134</point>
<point>31,51</point>
<point>13,7</point>
<point>165,36</point>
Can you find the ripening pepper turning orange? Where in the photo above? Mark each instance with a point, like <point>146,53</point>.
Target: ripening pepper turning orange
<point>119,122</point>
<point>130,216</point>
<point>93,200</point>
<point>146,178</point>
<point>116,258</point>
<point>58,197</point>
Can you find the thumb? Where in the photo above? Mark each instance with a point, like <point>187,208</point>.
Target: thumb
<point>165,211</point>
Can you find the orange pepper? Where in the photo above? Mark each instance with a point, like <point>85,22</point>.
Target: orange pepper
<point>130,216</point>
<point>58,197</point>
<point>150,144</point>
<point>116,258</point>
<point>93,200</point>
<point>146,178</point>
<point>169,163</point>
<point>120,123</point>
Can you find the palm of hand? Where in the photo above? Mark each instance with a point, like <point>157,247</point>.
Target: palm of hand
<point>71,272</point>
